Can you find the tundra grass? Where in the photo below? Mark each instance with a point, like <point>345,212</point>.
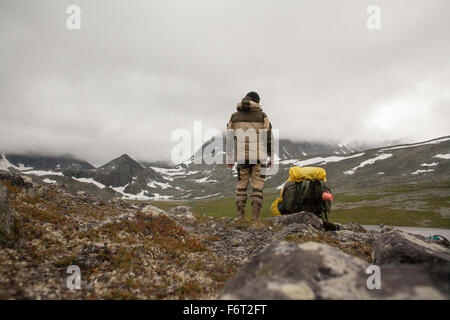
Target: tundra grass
<point>218,207</point>
<point>438,202</point>
<point>357,198</point>
<point>225,207</point>
<point>443,185</point>
<point>363,215</point>
<point>388,216</point>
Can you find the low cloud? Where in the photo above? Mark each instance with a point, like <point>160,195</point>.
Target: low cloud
<point>138,70</point>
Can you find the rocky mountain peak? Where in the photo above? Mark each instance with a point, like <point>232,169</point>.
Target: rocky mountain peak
<point>122,162</point>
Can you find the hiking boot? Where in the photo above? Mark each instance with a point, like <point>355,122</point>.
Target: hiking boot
<point>256,210</point>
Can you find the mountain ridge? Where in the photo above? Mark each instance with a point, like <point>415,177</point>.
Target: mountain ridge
<point>130,179</point>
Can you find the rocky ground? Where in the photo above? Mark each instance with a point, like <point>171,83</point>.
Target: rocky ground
<point>129,251</point>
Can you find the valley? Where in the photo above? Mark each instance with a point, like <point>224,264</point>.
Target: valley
<point>399,185</point>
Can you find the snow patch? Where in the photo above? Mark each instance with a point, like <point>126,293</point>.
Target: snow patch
<point>46,180</point>
<point>158,185</point>
<point>443,156</point>
<point>288,154</point>
<point>120,189</point>
<point>382,156</point>
<point>422,171</point>
<point>429,164</point>
<point>209,196</point>
<point>140,196</point>
<point>204,180</point>
<point>21,167</point>
<point>43,173</point>
<point>171,174</point>
<point>157,196</point>
<point>322,160</point>
<point>90,180</point>
<point>5,165</point>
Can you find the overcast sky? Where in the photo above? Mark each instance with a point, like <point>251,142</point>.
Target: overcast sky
<point>137,70</point>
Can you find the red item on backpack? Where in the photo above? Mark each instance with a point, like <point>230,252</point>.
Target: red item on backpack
<point>327,196</point>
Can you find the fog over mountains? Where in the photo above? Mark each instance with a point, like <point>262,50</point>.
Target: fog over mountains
<point>134,73</point>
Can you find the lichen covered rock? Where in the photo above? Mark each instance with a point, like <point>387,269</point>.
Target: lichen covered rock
<point>300,217</point>
<point>312,270</point>
<point>401,247</point>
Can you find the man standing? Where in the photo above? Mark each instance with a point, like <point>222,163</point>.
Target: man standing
<point>252,147</point>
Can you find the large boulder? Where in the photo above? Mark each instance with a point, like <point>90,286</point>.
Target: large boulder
<point>149,209</point>
<point>296,229</point>
<point>347,236</point>
<point>311,270</point>
<point>402,247</point>
<point>352,226</point>
<point>180,212</point>
<point>300,217</point>
<point>16,180</point>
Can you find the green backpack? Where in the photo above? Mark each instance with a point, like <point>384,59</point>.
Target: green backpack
<point>305,196</point>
